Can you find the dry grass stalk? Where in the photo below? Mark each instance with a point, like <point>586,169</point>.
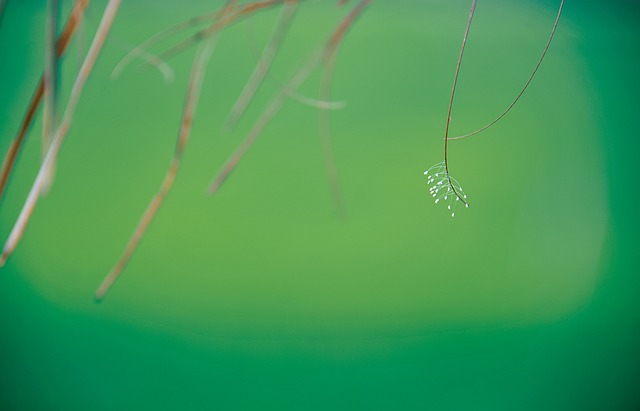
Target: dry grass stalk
<point>50,117</point>
<point>61,47</point>
<point>264,64</point>
<point>283,96</point>
<point>201,59</point>
<point>41,179</point>
<point>325,126</point>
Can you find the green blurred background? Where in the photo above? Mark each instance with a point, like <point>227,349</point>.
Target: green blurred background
<point>259,297</point>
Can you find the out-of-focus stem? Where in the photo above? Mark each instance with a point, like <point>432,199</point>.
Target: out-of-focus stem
<point>282,97</point>
<point>264,64</point>
<point>81,79</point>
<point>203,54</point>
<point>50,117</point>
<point>16,144</point>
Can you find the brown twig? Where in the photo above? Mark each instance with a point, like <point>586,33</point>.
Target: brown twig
<point>230,18</point>
<point>453,93</point>
<point>294,95</point>
<point>282,97</point>
<point>324,119</point>
<point>61,47</point>
<point>201,59</point>
<point>264,64</point>
<point>81,79</point>
<point>141,49</point>
<point>50,117</point>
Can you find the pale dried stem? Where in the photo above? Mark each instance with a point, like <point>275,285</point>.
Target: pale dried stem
<point>325,137</point>
<point>142,49</point>
<point>325,124</point>
<point>50,117</point>
<point>294,95</point>
<point>282,97</point>
<point>198,69</point>
<point>40,181</point>
<point>264,64</point>
<point>226,20</point>
<point>262,122</point>
<point>16,144</point>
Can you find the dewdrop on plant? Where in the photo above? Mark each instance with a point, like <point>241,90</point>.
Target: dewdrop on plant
<point>444,187</point>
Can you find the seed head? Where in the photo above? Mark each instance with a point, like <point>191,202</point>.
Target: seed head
<point>444,187</point>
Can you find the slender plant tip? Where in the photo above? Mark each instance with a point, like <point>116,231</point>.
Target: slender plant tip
<point>105,286</point>
<point>524,88</point>
<point>444,186</point>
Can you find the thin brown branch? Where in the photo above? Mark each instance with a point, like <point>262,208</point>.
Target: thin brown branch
<point>282,97</point>
<point>50,159</point>
<point>61,47</point>
<point>201,59</point>
<point>325,138</point>
<point>533,73</point>
<point>453,93</point>
<point>50,117</point>
<point>325,126</point>
<point>264,64</point>
<point>141,49</point>
<point>293,95</point>
<point>230,18</point>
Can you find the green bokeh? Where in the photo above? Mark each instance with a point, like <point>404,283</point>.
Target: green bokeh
<point>259,297</point>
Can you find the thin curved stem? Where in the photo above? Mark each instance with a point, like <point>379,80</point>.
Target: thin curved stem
<point>282,97</point>
<point>201,59</point>
<point>453,93</point>
<point>533,73</point>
